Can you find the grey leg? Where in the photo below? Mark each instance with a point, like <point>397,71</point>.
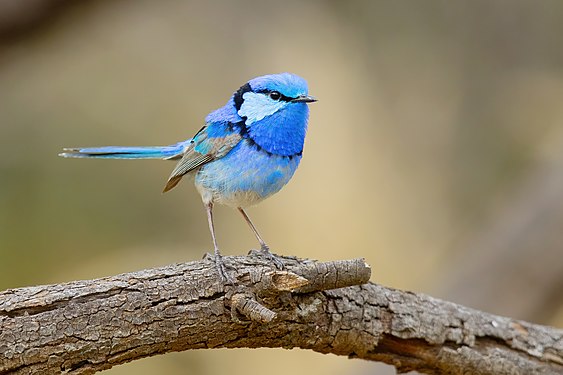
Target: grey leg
<point>218,258</point>
<point>265,248</point>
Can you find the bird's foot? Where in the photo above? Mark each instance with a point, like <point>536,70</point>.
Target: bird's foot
<point>221,270</point>
<point>273,258</point>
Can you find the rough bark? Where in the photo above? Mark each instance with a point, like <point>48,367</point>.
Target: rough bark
<point>87,326</point>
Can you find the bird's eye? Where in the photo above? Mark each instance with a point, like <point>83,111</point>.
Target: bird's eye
<point>274,95</point>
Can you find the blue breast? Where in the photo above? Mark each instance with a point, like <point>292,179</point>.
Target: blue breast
<point>282,133</point>
<point>246,169</point>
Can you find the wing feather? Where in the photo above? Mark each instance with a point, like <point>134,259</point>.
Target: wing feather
<point>202,150</point>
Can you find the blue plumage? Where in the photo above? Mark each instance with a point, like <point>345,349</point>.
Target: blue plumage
<point>245,176</point>
<point>122,152</point>
<point>248,149</point>
<point>286,138</point>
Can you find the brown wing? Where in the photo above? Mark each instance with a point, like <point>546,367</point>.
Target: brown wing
<point>201,151</point>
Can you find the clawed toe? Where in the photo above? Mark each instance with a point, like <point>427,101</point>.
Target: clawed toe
<point>264,252</point>
<point>226,278</point>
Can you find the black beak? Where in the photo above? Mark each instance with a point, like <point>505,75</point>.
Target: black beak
<point>304,99</point>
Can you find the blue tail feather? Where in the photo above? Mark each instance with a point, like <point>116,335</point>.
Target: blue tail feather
<point>123,152</point>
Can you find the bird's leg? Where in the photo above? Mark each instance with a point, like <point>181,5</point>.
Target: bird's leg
<point>218,258</point>
<point>263,245</point>
<point>265,249</point>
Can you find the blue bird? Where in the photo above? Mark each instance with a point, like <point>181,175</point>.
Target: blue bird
<point>247,150</point>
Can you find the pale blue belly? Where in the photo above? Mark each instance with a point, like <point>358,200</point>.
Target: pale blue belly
<point>244,176</point>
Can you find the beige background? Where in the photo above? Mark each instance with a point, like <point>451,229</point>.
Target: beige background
<point>435,150</point>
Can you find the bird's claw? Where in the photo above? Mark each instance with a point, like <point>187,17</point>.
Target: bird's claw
<point>221,270</point>
<point>266,253</point>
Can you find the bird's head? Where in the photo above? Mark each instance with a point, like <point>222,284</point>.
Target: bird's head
<point>267,95</point>
<point>273,110</point>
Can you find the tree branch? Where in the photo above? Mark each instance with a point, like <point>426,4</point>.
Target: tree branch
<point>87,326</point>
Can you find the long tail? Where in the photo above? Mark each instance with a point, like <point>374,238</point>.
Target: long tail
<point>121,152</point>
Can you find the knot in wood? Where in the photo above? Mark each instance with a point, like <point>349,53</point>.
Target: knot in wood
<point>247,305</point>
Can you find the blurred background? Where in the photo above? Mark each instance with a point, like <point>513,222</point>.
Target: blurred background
<point>435,150</point>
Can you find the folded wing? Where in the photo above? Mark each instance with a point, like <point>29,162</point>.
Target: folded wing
<point>212,142</point>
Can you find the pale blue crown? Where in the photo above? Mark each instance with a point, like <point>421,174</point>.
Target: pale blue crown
<point>287,84</point>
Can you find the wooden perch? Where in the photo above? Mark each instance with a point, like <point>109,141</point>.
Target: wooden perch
<point>86,326</point>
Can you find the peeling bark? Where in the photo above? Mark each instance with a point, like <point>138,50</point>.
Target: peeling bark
<point>86,326</point>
